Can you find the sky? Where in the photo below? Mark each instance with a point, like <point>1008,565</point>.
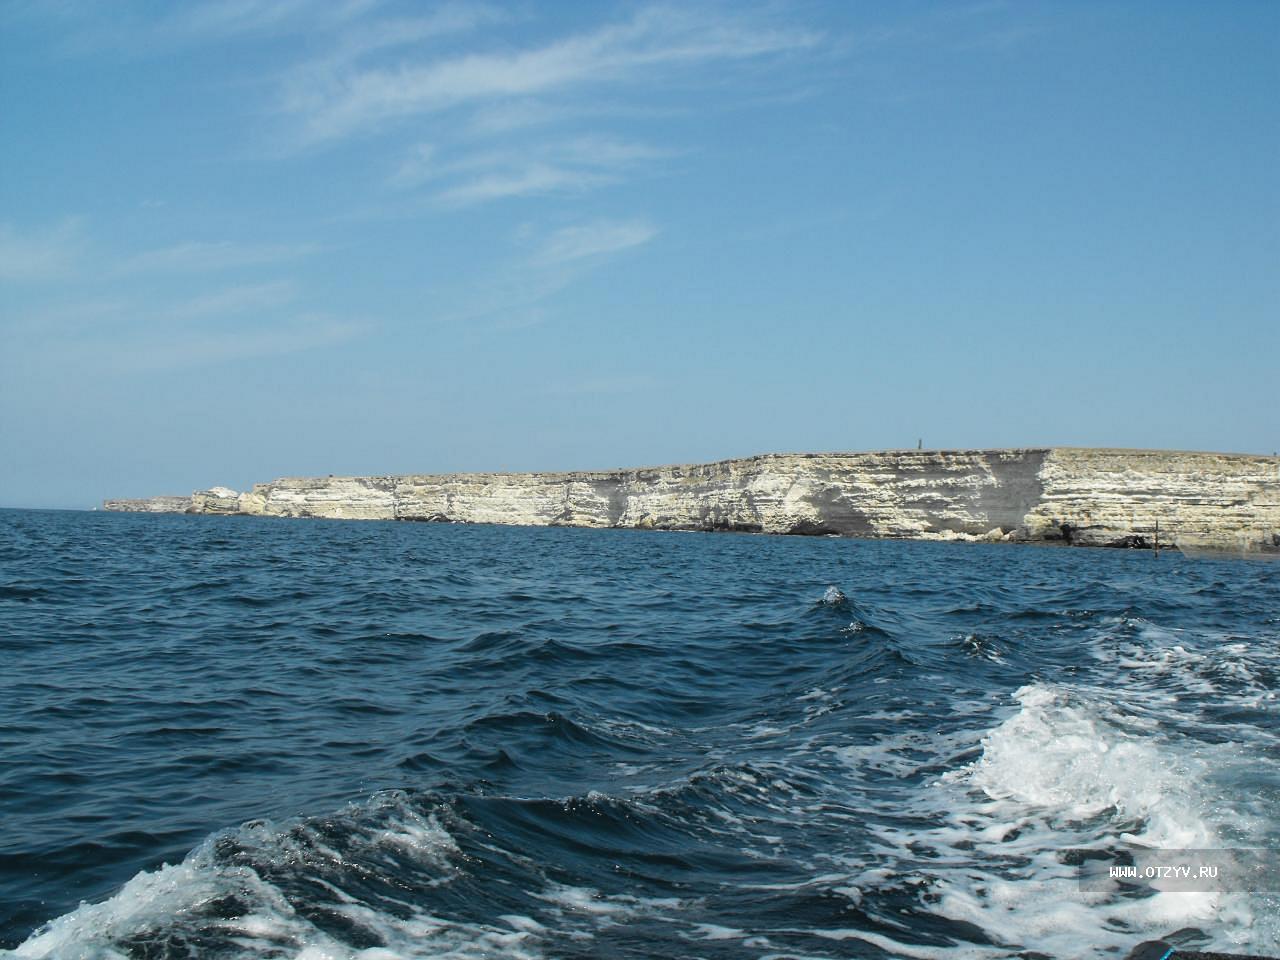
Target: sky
<point>245,240</point>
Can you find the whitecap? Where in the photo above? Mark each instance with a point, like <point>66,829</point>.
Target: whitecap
<point>834,597</point>
<point>182,901</point>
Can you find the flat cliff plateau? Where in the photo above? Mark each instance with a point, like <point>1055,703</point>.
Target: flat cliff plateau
<point>1081,496</point>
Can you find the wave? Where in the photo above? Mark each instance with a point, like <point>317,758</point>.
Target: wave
<point>775,773</point>
<point>833,596</point>
<point>320,888</point>
<point>992,839</point>
<point>971,861</point>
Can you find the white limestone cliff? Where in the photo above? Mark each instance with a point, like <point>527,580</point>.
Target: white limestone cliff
<point>1084,496</point>
<point>161,504</point>
<point>215,500</point>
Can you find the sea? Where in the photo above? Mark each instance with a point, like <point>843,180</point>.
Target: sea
<point>249,737</point>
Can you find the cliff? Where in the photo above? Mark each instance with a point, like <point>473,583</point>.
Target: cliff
<point>1091,497</point>
<point>162,504</point>
<point>222,500</point>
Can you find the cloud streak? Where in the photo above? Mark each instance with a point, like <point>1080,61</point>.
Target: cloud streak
<point>536,178</point>
<point>355,100</point>
<point>234,301</point>
<point>572,165</point>
<point>202,256</point>
<point>239,18</point>
<point>40,254</point>
<point>521,292</point>
<point>149,330</point>
<point>592,240</point>
<point>201,347</point>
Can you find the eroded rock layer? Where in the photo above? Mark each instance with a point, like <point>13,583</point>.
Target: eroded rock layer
<point>164,504</point>
<point>1081,496</point>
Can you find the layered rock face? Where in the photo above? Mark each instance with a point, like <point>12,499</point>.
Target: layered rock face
<point>164,504</point>
<point>215,500</point>
<point>881,494</point>
<point>1080,496</point>
<point>1117,498</point>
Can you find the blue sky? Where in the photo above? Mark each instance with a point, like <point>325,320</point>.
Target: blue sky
<point>244,240</point>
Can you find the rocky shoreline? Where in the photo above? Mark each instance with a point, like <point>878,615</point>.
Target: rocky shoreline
<point>1076,496</point>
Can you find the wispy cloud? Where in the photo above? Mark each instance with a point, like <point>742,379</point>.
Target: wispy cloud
<point>521,292</point>
<point>418,166</point>
<point>497,115</point>
<point>268,340</point>
<point>104,318</point>
<point>123,336</point>
<point>569,165</point>
<point>507,116</point>
<point>130,30</point>
<point>356,99</point>
<point>535,178</point>
<point>360,38</point>
<point>203,256</point>
<point>225,19</point>
<point>71,317</point>
<point>63,249</point>
<point>233,301</point>
<point>40,254</point>
<point>584,241</point>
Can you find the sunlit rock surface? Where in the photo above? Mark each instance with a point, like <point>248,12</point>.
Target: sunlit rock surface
<point>1083,496</point>
<point>215,500</point>
<point>164,504</point>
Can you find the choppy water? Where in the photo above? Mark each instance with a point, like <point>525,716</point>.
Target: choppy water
<point>254,738</point>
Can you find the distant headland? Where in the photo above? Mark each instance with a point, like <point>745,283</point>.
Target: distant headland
<point>1069,495</point>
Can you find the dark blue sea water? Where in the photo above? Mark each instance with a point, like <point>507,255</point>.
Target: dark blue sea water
<point>235,737</point>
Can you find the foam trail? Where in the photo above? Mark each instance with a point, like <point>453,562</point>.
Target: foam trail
<point>1063,772</point>
<point>220,901</point>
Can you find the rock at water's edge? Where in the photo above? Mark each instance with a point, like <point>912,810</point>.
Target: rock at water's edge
<point>1083,496</point>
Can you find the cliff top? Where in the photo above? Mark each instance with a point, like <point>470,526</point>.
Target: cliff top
<point>761,457</point>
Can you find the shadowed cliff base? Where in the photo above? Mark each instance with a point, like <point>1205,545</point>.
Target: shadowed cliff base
<point>1074,496</point>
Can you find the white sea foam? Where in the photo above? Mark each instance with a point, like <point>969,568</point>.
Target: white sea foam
<point>1060,753</point>
<point>421,835</point>
<point>766,730</point>
<point>713,931</point>
<point>1068,766</point>
<point>1073,766</point>
<point>177,899</point>
<point>888,944</point>
<point>609,908</point>
<point>149,899</point>
<point>1173,663</point>
<point>1066,770</point>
